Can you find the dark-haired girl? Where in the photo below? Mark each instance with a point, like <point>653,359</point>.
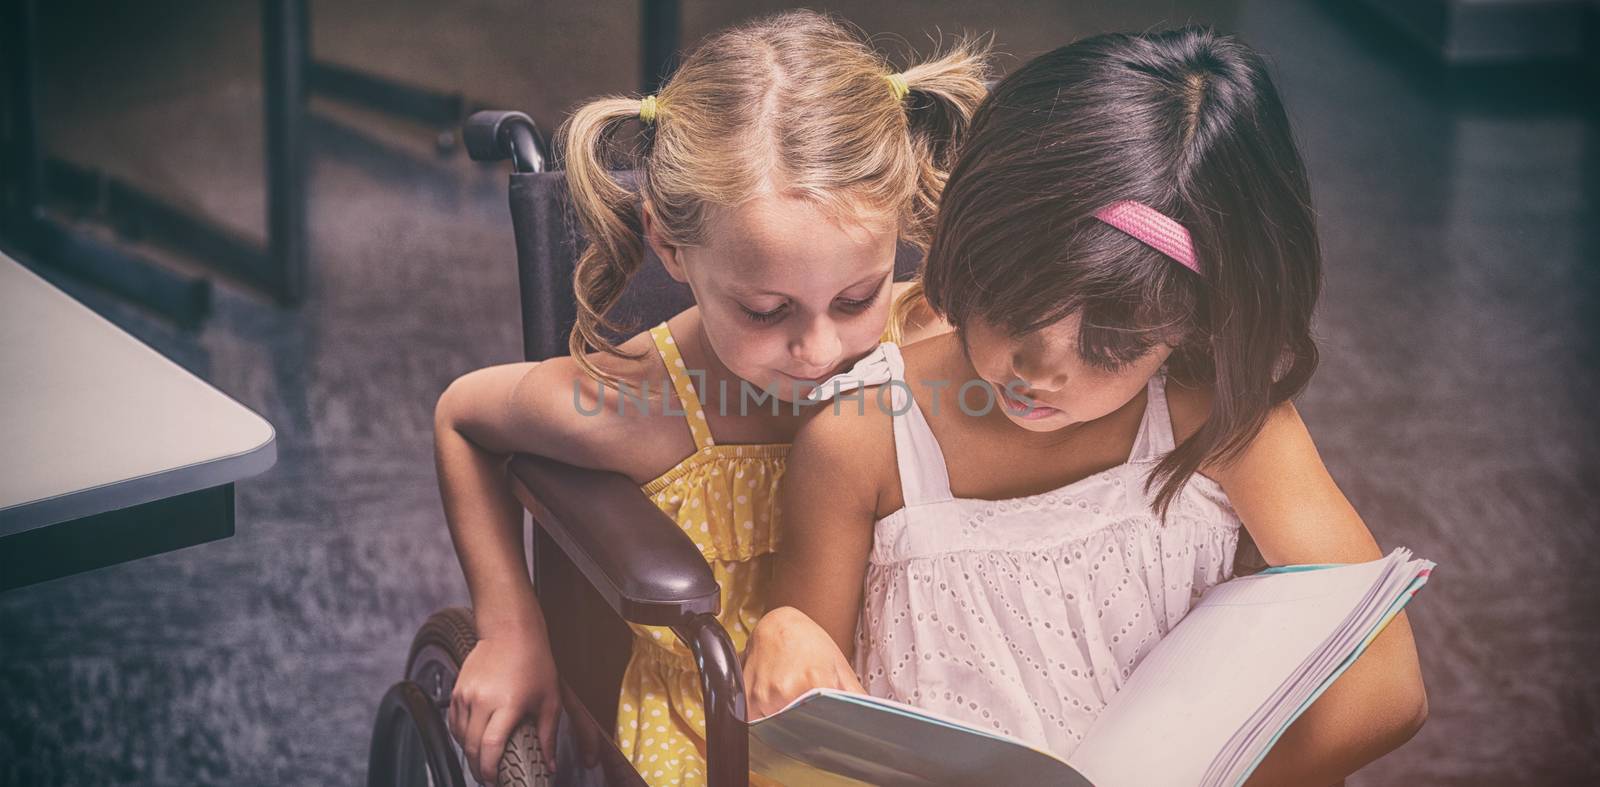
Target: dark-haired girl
<point>1023,508</point>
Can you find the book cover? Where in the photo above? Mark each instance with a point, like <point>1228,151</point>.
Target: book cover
<point>1216,693</point>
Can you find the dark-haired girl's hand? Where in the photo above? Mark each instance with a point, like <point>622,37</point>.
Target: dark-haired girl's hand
<point>788,655</point>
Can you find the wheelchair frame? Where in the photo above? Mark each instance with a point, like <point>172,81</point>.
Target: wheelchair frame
<point>599,544</point>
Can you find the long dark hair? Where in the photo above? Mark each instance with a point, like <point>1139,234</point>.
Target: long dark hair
<point>1188,122</point>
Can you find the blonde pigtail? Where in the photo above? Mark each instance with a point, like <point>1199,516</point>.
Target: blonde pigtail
<point>609,215</point>
<point>944,92</point>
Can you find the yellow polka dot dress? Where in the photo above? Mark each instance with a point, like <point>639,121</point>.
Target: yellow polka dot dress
<point>725,497</point>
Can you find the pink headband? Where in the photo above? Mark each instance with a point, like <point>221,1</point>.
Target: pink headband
<point>1152,228</point>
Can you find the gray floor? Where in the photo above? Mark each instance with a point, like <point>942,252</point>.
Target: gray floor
<point>1455,404</point>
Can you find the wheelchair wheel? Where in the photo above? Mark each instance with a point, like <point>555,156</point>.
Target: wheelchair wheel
<point>437,652</point>
<point>410,745</point>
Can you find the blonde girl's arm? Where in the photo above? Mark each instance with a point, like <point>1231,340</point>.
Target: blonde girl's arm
<point>1296,514</point>
<point>481,419</point>
<point>829,502</point>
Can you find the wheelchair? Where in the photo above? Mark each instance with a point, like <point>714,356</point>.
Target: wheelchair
<point>603,554</point>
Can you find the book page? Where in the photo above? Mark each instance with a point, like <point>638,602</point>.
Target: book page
<point>835,738</point>
<point>1216,669</point>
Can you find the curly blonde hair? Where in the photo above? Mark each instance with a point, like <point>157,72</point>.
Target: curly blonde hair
<point>799,103</point>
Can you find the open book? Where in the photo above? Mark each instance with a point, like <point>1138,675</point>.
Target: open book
<point>1203,707</point>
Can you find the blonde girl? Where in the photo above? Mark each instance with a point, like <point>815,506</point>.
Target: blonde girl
<point>778,169</point>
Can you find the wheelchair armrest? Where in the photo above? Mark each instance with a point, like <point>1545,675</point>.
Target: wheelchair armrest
<point>638,559</point>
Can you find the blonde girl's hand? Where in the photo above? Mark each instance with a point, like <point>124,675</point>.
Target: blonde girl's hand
<point>789,654</point>
<point>504,680</point>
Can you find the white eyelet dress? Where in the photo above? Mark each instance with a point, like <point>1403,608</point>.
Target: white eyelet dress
<point>1026,615</point>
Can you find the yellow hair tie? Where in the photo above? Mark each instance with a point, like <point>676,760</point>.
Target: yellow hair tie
<point>647,109</point>
<point>897,85</point>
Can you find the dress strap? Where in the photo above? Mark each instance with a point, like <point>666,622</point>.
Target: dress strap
<point>924,478</point>
<point>1155,438</point>
<point>695,413</point>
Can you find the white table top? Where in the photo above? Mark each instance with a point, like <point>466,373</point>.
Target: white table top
<point>92,420</point>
